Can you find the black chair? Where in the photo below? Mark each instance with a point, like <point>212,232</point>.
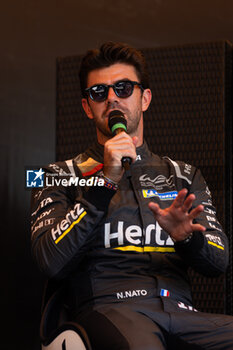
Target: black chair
<point>56,331</point>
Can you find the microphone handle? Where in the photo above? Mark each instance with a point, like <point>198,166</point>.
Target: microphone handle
<point>125,161</point>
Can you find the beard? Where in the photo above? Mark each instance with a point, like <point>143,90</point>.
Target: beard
<point>133,119</point>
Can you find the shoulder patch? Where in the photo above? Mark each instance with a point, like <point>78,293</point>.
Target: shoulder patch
<point>182,172</point>
<point>90,167</point>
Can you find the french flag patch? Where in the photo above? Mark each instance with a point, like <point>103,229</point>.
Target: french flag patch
<point>165,293</point>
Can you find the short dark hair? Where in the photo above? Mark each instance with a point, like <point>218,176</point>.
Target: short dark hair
<point>110,53</point>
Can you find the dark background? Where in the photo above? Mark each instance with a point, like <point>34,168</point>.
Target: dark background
<point>32,35</point>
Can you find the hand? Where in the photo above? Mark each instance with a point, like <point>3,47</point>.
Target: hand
<point>121,145</point>
<point>177,220</point>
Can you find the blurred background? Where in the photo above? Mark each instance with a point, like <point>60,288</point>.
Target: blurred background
<point>32,35</point>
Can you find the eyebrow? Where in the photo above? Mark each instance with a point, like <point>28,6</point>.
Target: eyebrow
<point>117,81</point>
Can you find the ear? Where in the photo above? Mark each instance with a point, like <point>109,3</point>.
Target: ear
<point>146,99</point>
<point>87,108</point>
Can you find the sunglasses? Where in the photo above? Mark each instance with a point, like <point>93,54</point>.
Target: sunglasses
<point>123,89</point>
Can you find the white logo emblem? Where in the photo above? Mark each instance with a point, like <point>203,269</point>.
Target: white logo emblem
<point>158,183</point>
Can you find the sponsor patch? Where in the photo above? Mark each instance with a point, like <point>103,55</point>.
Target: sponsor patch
<point>186,307</point>
<point>72,218</point>
<point>215,241</point>
<point>128,238</point>
<point>158,183</point>
<point>162,196</point>
<point>42,204</point>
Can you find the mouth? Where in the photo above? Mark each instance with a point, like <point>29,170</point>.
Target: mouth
<point>115,111</point>
<point>113,107</point>
<point>112,110</point>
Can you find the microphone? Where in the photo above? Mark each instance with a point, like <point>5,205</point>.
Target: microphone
<point>117,123</point>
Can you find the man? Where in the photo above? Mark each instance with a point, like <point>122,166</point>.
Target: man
<point>123,249</point>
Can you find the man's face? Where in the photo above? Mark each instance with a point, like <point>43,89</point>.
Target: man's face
<point>132,106</point>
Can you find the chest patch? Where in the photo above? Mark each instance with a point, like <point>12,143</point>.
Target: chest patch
<point>171,195</point>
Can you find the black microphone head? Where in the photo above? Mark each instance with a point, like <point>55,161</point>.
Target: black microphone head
<point>116,121</point>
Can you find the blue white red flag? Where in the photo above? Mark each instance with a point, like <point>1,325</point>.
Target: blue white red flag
<point>164,293</point>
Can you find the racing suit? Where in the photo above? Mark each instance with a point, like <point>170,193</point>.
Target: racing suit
<point>126,280</point>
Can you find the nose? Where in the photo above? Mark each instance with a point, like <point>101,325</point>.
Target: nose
<point>111,95</point>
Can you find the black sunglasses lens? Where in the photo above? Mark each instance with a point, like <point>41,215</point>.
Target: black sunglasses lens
<point>99,93</point>
<point>123,88</point>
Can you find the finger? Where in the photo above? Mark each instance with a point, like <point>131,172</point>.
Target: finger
<point>122,135</point>
<point>195,212</point>
<point>188,202</point>
<point>178,202</point>
<point>154,207</point>
<point>198,227</point>
<point>119,149</point>
<point>122,144</point>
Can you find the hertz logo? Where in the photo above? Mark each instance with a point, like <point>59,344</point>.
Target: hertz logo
<point>65,226</point>
<point>132,236</point>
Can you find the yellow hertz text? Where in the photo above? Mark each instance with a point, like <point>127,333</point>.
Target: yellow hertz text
<point>65,226</point>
